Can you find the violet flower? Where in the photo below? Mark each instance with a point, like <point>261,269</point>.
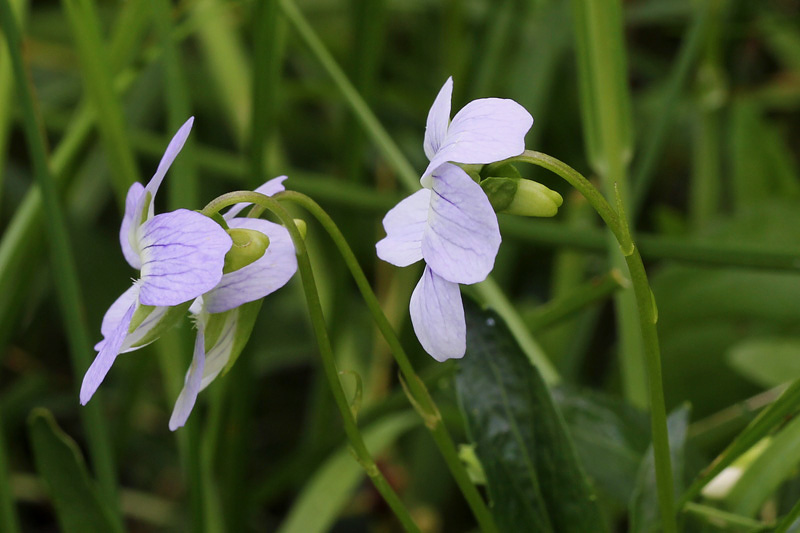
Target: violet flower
<point>261,261</point>
<point>451,223</point>
<point>180,256</point>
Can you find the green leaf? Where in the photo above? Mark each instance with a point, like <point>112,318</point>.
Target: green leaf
<point>79,507</point>
<point>324,497</point>
<point>610,436</point>
<point>533,474</point>
<point>767,361</point>
<point>645,515</point>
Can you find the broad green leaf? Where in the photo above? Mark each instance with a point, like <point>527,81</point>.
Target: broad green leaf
<point>79,508</point>
<point>324,497</point>
<point>645,516</point>
<point>533,475</point>
<point>767,361</point>
<point>610,436</point>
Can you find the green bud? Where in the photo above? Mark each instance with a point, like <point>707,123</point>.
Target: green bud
<point>301,226</point>
<point>521,197</point>
<point>473,465</point>
<point>248,246</point>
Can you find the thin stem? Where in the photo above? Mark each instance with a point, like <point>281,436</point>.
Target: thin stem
<point>645,304</point>
<point>64,270</point>
<point>419,393</point>
<point>384,142</point>
<point>714,516</point>
<point>326,351</point>
<point>788,520</point>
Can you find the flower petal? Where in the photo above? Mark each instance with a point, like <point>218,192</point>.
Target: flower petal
<point>405,225</point>
<point>462,236</point>
<point>484,131</point>
<point>183,253</point>
<point>191,384</point>
<point>263,276</point>
<point>127,231</point>
<point>273,186</point>
<point>102,363</point>
<point>219,354</point>
<point>437,315</point>
<point>116,312</point>
<point>438,119</point>
<point>172,151</point>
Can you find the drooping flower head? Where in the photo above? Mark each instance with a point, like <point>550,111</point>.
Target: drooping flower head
<point>450,223</point>
<point>261,261</point>
<point>179,256</point>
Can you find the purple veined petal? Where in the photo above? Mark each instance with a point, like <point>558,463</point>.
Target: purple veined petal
<point>116,313</point>
<point>462,237</point>
<point>191,384</point>
<point>183,253</point>
<point>172,151</point>
<point>272,187</point>
<point>263,276</point>
<point>484,131</point>
<point>405,225</point>
<point>438,120</point>
<point>437,315</point>
<point>127,231</point>
<point>102,363</point>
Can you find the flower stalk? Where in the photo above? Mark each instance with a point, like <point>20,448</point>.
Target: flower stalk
<point>616,222</point>
<point>357,444</point>
<point>414,386</point>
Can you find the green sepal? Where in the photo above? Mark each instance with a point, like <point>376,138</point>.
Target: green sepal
<point>246,319</point>
<point>248,246</point>
<point>141,312</point>
<point>502,170</point>
<point>516,196</point>
<point>170,318</point>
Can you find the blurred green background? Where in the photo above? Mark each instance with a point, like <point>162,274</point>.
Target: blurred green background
<point>715,100</point>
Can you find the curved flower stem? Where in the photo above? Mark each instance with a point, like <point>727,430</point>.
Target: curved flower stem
<point>357,444</point>
<point>415,388</point>
<point>615,220</point>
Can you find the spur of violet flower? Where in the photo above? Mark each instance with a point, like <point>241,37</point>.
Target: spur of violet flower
<point>180,255</point>
<point>450,223</point>
<point>261,261</point>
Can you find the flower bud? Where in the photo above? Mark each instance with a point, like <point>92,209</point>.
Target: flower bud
<point>521,197</point>
<point>248,246</point>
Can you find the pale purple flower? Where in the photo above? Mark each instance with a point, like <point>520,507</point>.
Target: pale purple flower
<point>450,223</point>
<point>483,131</point>
<point>233,304</point>
<point>180,256</point>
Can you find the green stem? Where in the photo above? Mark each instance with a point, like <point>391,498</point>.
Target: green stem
<point>384,142</point>
<point>419,393</point>
<point>645,304</point>
<point>788,520</point>
<point>9,522</point>
<point>326,351</point>
<point>714,516</point>
<point>64,270</point>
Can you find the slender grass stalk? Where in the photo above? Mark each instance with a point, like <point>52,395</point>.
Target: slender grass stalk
<point>647,317</point>
<point>715,516</point>
<point>227,62</point>
<point>9,521</point>
<point>20,8</point>
<point>64,271</point>
<point>267,56</point>
<point>97,78</point>
<point>691,46</point>
<point>326,351</point>
<point>415,387</point>
<point>384,142</point>
<point>579,298</point>
<point>605,106</point>
<point>788,521</point>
